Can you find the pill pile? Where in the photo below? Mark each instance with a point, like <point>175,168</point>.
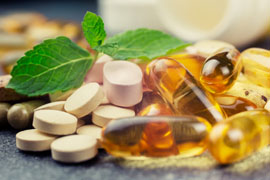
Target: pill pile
<point>209,97</point>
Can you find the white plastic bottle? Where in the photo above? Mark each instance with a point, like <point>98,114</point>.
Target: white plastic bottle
<point>239,22</point>
<point>236,21</point>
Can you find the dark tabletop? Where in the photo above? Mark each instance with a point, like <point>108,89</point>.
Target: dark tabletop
<point>17,165</point>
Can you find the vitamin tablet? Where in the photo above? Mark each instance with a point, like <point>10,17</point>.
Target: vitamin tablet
<point>90,130</point>
<point>96,72</point>
<point>207,47</point>
<point>58,105</point>
<point>61,96</point>
<point>84,100</point>
<point>34,140</point>
<point>74,148</point>
<point>105,99</point>
<point>267,106</point>
<point>104,114</point>
<point>122,82</point>
<point>55,122</point>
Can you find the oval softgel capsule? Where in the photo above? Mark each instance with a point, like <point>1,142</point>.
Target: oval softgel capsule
<point>156,136</point>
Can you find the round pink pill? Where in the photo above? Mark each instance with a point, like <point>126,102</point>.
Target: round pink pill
<point>95,74</point>
<point>122,82</point>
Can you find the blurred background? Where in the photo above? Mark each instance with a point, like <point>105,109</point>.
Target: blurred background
<point>244,23</point>
<point>72,10</point>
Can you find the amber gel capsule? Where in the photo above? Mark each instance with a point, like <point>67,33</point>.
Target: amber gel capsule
<point>181,90</point>
<point>152,104</point>
<point>220,70</point>
<point>156,136</point>
<point>233,104</point>
<point>256,65</point>
<point>239,136</point>
<point>193,63</point>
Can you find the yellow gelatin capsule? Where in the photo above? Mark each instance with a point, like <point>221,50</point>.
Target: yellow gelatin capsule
<point>220,70</point>
<point>156,136</point>
<point>152,105</point>
<point>193,63</point>
<point>256,66</point>
<point>239,136</point>
<point>233,104</point>
<point>181,90</point>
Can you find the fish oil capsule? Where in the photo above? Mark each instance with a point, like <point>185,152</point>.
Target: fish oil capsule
<point>152,104</point>
<point>239,136</point>
<point>233,105</point>
<point>156,136</point>
<point>193,63</point>
<point>155,110</point>
<point>182,91</point>
<point>219,71</point>
<point>256,65</point>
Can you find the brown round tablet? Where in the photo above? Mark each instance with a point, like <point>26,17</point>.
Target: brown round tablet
<point>74,148</point>
<point>84,100</point>
<point>55,122</point>
<point>34,140</point>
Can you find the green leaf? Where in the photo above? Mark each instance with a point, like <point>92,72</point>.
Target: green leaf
<point>54,65</point>
<point>141,43</point>
<point>93,29</point>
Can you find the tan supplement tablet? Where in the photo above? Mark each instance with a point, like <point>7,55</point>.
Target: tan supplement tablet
<point>74,148</point>
<point>90,130</point>
<point>61,96</point>
<point>104,114</point>
<point>55,122</point>
<point>34,140</point>
<point>58,105</point>
<point>84,100</point>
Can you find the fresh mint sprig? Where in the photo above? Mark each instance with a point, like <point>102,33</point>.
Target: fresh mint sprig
<point>59,64</point>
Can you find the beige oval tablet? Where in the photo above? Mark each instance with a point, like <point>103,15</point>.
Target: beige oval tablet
<point>84,100</point>
<point>104,114</point>
<point>58,105</point>
<point>207,47</point>
<point>55,122</point>
<point>105,99</point>
<point>90,130</point>
<point>34,140</point>
<point>74,148</point>
<point>61,96</point>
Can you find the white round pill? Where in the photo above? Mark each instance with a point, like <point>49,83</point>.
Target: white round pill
<point>105,113</point>
<point>55,122</point>
<point>84,100</point>
<point>58,105</point>
<point>74,148</point>
<point>34,140</point>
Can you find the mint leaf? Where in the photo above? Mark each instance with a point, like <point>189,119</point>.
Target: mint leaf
<point>141,43</point>
<point>93,29</point>
<point>54,65</point>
